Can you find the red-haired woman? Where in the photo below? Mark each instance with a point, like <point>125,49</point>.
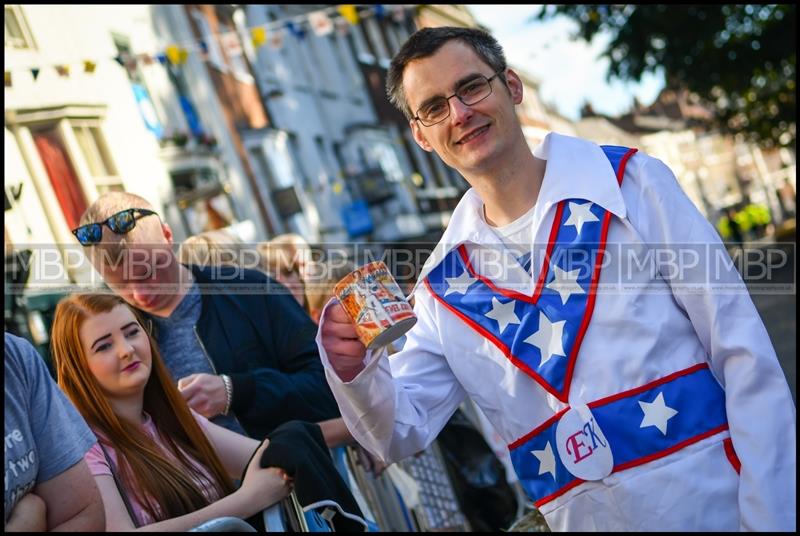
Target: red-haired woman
<point>158,464</point>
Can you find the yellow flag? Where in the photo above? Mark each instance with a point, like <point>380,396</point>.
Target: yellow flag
<point>63,70</point>
<point>89,66</point>
<point>258,35</point>
<point>349,12</point>
<point>176,55</point>
<point>7,76</point>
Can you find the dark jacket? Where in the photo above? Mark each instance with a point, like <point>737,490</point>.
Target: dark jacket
<point>254,331</point>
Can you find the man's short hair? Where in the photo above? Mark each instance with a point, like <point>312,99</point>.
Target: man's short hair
<point>110,203</point>
<point>426,42</point>
<point>104,206</point>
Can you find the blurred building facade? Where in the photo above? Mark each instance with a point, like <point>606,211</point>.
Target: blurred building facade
<point>716,171</point>
<point>290,133</point>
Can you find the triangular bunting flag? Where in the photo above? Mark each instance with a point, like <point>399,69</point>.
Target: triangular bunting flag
<point>320,23</point>
<point>296,30</point>
<point>7,78</point>
<point>63,70</point>
<point>89,66</point>
<point>276,38</point>
<point>176,55</point>
<point>258,35</point>
<point>35,73</point>
<point>349,12</point>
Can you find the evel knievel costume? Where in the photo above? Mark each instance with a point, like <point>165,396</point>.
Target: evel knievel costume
<point>632,396</point>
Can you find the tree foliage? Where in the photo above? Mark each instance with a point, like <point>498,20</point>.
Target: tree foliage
<point>740,59</point>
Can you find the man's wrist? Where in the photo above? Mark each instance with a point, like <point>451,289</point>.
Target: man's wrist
<point>226,380</point>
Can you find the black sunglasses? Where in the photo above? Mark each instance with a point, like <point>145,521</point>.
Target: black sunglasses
<point>121,223</point>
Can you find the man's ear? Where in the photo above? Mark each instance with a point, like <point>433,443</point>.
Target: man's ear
<point>167,231</point>
<point>514,86</point>
<point>419,137</point>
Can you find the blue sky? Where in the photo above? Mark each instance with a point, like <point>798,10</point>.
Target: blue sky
<point>569,72</point>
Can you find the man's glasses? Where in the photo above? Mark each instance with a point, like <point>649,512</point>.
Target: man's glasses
<point>472,92</point>
<point>121,223</point>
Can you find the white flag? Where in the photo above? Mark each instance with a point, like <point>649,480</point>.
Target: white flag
<point>320,22</point>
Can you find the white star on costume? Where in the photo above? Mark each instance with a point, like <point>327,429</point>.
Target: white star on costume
<point>580,214</point>
<point>459,284</point>
<point>547,462</point>
<point>657,413</point>
<point>565,283</point>
<point>548,338</point>
<point>503,313</point>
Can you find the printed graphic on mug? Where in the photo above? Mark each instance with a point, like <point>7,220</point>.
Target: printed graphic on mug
<point>376,305</point>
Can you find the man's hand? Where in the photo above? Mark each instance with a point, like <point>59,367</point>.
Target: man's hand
<point>205,393</point>
<point>28,515</point>
<point>340,340</point>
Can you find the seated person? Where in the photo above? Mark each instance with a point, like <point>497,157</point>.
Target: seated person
<point>48,484</point>
<point>158,464</point>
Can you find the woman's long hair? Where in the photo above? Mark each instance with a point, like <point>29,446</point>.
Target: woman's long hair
<point>163,488</point>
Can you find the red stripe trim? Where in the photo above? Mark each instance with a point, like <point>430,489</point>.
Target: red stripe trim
<point>647,386</point>
<point>731,454</point>
<point>522,440</point>
<point>560,492</point>
<point>634,463</point>
<point>502,347</point>
<point>551,242</point>
<point>592,292</point>
<point>622,163</point>
<point>587,315</point>
<point>608,400</point>
<point>670,450</point>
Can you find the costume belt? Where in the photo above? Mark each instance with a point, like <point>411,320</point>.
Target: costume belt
<point>618,432</point>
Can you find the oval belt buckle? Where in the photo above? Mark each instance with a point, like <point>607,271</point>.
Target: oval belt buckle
<point>582,446</point>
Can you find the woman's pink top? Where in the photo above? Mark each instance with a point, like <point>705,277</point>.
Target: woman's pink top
<point>98,465</point>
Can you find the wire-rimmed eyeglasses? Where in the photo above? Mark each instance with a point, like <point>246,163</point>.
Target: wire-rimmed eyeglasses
<point>470,93</point>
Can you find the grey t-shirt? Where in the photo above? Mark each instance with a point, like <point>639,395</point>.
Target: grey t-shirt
<point>181,349</point>
<point>44,433</point>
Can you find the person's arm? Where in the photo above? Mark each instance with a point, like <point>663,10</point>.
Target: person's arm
<point>761,413</point>
<point>394,407</point>
<point>28,515</point>
<point>234,450</point>
<point>335,432</point>
<point>260,489</point>
<point>73,501</point>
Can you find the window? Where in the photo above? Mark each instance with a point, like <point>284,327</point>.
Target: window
<point>95,152</point>
<point>17,33</point>
<point>202,199</point>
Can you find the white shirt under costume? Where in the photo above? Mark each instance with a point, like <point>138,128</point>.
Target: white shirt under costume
<point>649,328</point>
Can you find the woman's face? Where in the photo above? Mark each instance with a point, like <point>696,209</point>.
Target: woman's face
<point>117,351</point>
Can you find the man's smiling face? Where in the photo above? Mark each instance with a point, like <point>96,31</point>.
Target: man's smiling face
<point>473,139</point>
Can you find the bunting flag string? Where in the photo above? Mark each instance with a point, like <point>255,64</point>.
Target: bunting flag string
<point>321,22</point>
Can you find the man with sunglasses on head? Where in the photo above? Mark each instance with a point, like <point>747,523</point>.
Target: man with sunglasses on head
<point>631,396</point>
<point>241,352</point>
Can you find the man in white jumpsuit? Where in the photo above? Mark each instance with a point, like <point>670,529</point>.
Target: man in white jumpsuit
<point>634,393</point>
